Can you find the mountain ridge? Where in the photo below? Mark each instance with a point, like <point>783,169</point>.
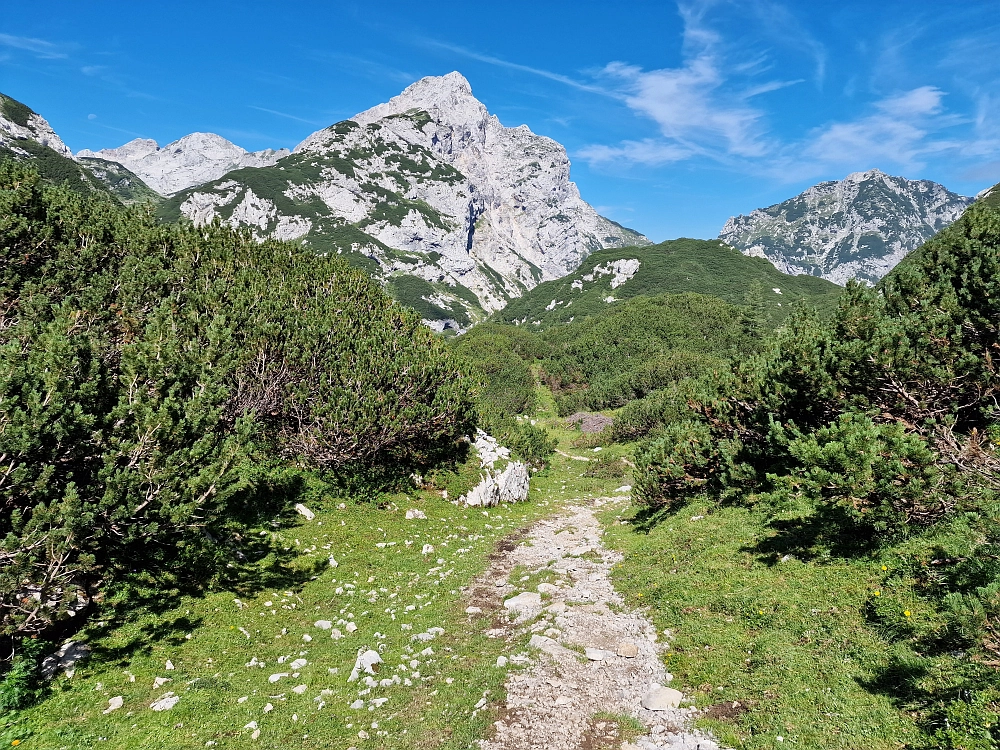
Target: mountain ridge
<point>193,160</point>
<point>859,227</point>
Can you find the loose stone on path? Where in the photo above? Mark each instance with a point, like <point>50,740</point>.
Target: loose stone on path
<point>551,705</point>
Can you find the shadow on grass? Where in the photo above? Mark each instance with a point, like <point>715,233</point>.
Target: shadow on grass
<point>899,681</point>
<point>648,519</point>
<point>827,532</point>
<point>236,558</point>
<point>167,631</point>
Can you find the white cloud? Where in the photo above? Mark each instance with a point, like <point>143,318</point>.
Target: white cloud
<point>701,107</point>
<point>925,100</point>
<point>904,130</point>
<point>649,151</point>
<point>39,47</point>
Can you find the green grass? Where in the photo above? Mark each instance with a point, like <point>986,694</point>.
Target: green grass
<point>812,646</point>
<point>201,636</point>
<point>813,642</point>
<point>15,111</point>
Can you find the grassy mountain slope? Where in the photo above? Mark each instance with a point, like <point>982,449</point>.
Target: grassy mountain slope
<point>281,201</point>
<point>991,197</point>
<point>120,181</point>
<point>685,265</point>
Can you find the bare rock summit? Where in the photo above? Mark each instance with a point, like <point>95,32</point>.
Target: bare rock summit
<point>194,159</point>
<point>429,192</point>
<point>856,228</point>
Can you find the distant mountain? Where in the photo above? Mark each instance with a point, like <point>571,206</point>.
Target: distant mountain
<point>454,212</point>
<point>193,160</point>
<point>859,227</point>
<point>702,266</point>
<point>26,136</point>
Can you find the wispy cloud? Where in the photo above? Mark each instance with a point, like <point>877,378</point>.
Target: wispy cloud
<point>649,151</point>
<point>711,106</point>
<point>901,130</point>
<point>500,62</point>
<point>701,107</point>
<point>38,47</point>
<point>285,115</point>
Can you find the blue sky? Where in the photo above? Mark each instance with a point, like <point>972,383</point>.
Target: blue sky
<point>675,115</point>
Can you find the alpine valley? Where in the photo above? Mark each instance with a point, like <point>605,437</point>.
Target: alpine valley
<point>690,495</point>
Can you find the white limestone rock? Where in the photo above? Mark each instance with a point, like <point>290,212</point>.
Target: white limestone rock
<point>34,128</point>
<point>65,659</point>
<point>192,160</point>
<point>165,702</point>
<point>660,698</point>
<point>499,488</point>
<point>366,663</point>
<point>524,603</point>
<point>443,190</point>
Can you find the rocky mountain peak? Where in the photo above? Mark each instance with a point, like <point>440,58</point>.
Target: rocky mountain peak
<point>454,211</point>
<point>869,174</point>
<point>447,99</point>
<point>859,227</point>
<point>192,160</point>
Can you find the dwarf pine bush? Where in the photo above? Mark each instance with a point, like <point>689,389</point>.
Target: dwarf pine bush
<point>147,372</point>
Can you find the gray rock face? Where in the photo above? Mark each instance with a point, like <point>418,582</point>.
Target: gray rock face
<point>859,227</point>
<point>194,159</point>
<point>18,122</point>
<point>454,211</point>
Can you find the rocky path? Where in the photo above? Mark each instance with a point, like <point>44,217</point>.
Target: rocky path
<point>591,658</point>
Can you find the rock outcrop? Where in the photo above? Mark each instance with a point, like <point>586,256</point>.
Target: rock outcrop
<point>859,227</point>
<point>194,159</point>
<point>19,123</point>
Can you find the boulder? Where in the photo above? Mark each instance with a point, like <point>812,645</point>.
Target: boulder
<point>661,698</point>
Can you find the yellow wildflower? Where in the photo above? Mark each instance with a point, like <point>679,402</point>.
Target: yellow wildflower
<point>906,613</point>
<point>878,593</point>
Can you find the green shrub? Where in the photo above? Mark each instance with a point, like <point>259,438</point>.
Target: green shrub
<point>676,466</point>
<point>876,425</point>
<point>637,347</point>
<point>606,467</point>
<point>528,443</point>
<point>507,386</point>
<point>147,371</point>
<point>881,477</point>
<point>638,418</point>
<point>22,684</point>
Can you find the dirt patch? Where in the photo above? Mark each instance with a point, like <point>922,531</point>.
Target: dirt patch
<point>602,735</point>
<point>589,422</point>
<point>485,592</point>
<point>727,711</point>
